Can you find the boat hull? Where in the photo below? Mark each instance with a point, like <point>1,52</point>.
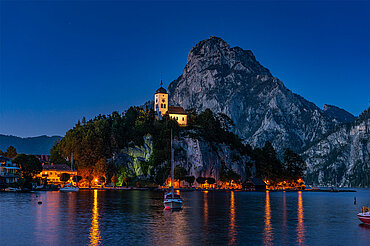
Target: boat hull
<point>172,203</point>
<point>69,189</point>
<point>364,218</point>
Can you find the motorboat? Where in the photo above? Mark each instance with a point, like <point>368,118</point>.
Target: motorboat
<point>11,189</point>
<point>172,200</point>
<point>364,216</point>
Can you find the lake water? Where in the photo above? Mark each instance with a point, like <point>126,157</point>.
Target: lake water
<point>207,218</point>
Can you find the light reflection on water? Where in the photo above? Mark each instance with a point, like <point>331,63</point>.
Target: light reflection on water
<point>268,228</point>
<point>300,224</point>
<point>211,218</point>
<point>94,229</point>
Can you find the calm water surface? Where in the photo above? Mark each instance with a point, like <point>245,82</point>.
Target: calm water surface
<point>209,218</point>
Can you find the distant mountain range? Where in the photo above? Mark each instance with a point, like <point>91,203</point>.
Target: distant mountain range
<point>40,145</point>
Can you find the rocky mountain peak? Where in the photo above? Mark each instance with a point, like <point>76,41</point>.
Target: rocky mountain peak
<point>338,114</point>
<point>230,80</point>
<point>217,55</point>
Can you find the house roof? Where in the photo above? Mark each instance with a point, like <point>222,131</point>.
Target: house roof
<point>3,158</point>
<point>56,167</point>
<point>257,181</point>
<point>176,110</point>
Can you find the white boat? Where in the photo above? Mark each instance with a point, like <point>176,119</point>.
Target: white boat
<point>172,200</point>
<point>70,187</point>
<point>364,216</point>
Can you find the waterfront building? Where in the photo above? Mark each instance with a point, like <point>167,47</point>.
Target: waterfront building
<point>52,172</point>
<point>8,171</point>
<point>254,184</point>
<point>161,107</point>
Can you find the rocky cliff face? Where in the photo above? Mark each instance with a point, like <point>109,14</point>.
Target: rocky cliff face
<point>340,115</point>
<point>205,159</point>
<point>231,81</point>
<point>197,156</point>
<point>343,157</point>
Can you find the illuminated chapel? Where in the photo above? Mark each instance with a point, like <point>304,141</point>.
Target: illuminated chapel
<point>161,107</point>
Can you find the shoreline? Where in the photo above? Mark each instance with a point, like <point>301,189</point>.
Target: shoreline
<point>215,190</point>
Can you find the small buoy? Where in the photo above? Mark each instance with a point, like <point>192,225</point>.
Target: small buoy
<point>40,202</point>
<point>167,208</point>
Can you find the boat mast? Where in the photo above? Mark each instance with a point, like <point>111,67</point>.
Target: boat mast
<point>71,161</point>
<point>172,169</point>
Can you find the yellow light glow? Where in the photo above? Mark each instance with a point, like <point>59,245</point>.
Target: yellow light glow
<point>96,180</point>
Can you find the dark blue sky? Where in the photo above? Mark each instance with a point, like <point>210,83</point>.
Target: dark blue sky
<point>64,60</point>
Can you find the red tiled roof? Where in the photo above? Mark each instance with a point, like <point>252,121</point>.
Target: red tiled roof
<point>176,110</point>
<point>57,167</point>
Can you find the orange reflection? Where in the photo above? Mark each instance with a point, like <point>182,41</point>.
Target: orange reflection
<point>300,225</point>
<point>267,234</point>
<point>232,230</point>
<point>94,229</point>
<point>205,208</point>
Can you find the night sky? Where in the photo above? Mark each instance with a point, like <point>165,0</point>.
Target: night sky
<point>64,60</point>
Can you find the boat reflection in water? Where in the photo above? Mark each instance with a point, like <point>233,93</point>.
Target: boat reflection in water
<point>300,225</point>
<point>232,230</point>
<point>94,229</point>
<point>267,234</point>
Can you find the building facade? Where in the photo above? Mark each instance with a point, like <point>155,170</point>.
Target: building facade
<point>161,107</point>
<point>8,171</point>
<point>52,172</point>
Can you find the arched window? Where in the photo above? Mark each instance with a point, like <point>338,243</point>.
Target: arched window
<point>164,105</point>
<point>161,105</point>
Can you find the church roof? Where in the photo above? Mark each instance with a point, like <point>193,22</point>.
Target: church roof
<point>176,110</point>
<point>161,90</point>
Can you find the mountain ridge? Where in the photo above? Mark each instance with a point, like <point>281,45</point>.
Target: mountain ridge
<point>40,145</point>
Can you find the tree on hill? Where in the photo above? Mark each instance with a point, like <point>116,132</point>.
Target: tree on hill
<point>190,180</point>
<point>29,165</point>
<point>201,180</point>
<point>114,180</point>
<point>64,177</point>
<point>180,173</point>
<point>211,180</point>
<point>228,175</point>
<point>11,152</point>
<point>294,165</point>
